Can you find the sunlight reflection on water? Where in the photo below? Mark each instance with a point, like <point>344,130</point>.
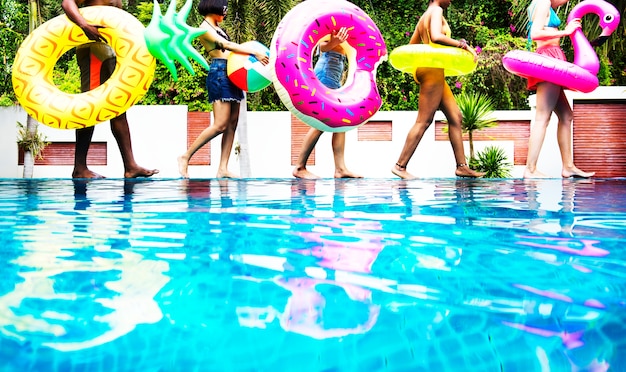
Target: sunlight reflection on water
<point>437,274</point>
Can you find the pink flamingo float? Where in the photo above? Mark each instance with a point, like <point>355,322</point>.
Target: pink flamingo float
<point>582,74</point>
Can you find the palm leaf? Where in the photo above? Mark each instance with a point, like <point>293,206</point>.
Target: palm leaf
<point>477,110</point>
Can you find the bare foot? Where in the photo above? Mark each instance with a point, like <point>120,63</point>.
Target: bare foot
<point>182,166</point>
<point>183,163</point>
<point>140,172</point>
<point>85,173</point>
<point>402,173</point>
<point>535,174</point>
<point>226,174</point>
<point>465,171</point>
<point>304,174</point>
<point>576,173</point>
<point>346,174</point>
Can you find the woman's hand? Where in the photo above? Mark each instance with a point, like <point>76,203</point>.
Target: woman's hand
<point>262,57</point>
<point>338,37</point>
<point>572,26</point>
<point>473,51</point>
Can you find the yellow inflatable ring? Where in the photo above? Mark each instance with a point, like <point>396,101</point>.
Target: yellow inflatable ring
<point>38,54</point>
<point>454,61</point>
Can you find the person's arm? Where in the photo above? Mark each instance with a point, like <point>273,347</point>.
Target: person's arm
<point>70,7</point>
<point>336,38</point>
<point>212,36</point>
<point>436,30</point>
<point>540,15</point>
<point>437,35</point>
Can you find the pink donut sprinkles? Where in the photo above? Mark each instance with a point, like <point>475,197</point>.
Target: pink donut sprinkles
<point>291,63</point>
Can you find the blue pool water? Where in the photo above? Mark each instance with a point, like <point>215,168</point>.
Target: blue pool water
<point>326,275</point>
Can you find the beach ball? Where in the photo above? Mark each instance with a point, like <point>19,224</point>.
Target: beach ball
<point>246,72</point>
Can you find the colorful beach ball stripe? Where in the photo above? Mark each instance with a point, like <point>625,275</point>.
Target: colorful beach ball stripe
<point>246,72</point>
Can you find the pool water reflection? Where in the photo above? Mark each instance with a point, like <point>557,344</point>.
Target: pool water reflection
<point>282,274</point>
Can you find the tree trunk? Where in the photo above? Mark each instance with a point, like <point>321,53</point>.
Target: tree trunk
<point>242,129</point>
<point>31,123</point>
<point>471,145</point>
<point>29,158</point>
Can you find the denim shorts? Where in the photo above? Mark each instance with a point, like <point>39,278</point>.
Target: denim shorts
<point>329,69</point>
<point>219,86</point>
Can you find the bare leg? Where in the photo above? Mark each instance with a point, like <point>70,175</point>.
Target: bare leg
<point>221,114</point>
<point>547,96</point>
<point>228,138</point>
<point>84,136</point>
<point>83,141</point>
<point>339,145</point>
<point>308,144</point>
<point>431,92</point>
<point>121,132</point>
<point>564,137</point>
<point>452,112</point>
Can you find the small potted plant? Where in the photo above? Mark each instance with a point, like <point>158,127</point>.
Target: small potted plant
<point>32,143</point>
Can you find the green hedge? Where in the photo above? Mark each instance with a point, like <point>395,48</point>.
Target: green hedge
<point>488,24</point>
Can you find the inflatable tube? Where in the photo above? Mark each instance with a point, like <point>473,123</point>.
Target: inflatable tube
<point>454,61</point>
<point>578,76</point>
<point>35,60</point>
<point>291,53</point>
<point>530,64</point>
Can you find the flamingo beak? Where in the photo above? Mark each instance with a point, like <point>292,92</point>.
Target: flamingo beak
<point>599,40</point>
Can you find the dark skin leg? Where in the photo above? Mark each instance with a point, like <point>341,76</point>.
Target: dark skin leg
<point>434,94</point>
<point>121,132</point>
<point>119,125</point>
<point>83,141</point>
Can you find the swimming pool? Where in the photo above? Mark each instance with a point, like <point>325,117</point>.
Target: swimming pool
<point>333,275</point>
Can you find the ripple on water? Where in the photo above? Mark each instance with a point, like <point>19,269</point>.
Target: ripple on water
<point>434,274</point>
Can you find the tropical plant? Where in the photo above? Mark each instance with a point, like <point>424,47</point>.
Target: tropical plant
<point>494,26</point>
<point>32,142</point>
<point>477,111</point>
<point>507,91</point>
<point>494,162</point>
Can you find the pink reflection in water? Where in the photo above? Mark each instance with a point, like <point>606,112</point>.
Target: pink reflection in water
<point>570,340</point>
<point>353,252</point>
<point>304,312</point>
<point>560,244</point>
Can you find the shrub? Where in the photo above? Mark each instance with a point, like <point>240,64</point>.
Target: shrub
<point>494,162</point>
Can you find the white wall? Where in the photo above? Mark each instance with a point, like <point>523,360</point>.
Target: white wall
<point>159,136</point>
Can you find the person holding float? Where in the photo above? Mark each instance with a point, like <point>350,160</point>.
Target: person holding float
<point>549,73</point>
<point>292,51</point>
<point>329,69</point>
<point>544,24</point>
<point>97,62</point>
<point>223,94</point>
<point>433,30</point>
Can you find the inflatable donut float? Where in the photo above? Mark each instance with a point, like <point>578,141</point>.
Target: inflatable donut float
<point>35,60</point>
<point>454,61</point>
<point>578,76</point>
<point>291,65</point>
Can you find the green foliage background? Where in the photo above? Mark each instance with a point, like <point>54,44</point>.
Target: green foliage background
<point>495,26</point>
